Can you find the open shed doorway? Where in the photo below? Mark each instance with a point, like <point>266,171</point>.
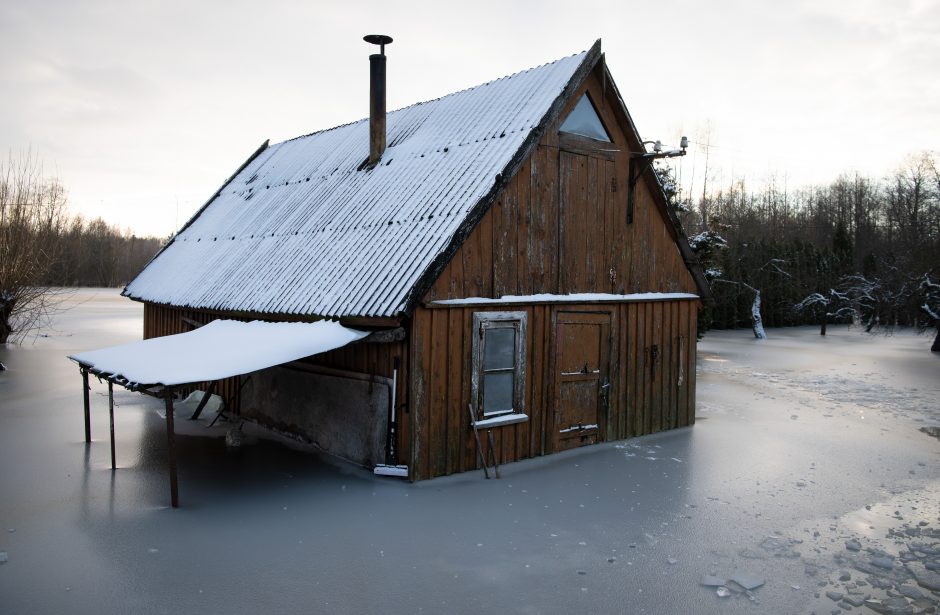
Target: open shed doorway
<point>341,412</point>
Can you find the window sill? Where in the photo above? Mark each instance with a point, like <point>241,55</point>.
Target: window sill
<point>506,419</point>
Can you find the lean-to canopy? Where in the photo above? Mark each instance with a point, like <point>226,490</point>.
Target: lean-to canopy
<point>218,350</point>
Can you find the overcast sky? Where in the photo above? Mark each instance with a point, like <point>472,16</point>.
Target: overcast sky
<point>143,108</point>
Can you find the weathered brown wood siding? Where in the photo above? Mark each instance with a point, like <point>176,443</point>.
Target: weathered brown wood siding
<point>646,395</point>
<point>560,227</point>
<point>376,359</point>
<point>533,240</point>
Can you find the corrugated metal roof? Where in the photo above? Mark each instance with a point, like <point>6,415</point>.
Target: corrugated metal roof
<point>301,230</point>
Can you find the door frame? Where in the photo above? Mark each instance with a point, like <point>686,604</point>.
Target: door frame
<point>603,414</point>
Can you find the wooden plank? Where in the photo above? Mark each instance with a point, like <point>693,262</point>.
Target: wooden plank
<point>485,230</point>
<point>683,388</point>
<point>437,413</point>
<point>578,226</point>
<point>613,233</point>
<point>630,390</point>
<point>535,360</point>
<point>547,365</point>
<point>471,263</point>
<point>551,232</point>
<point>455,375</point>
<point>504,242</point>
<point>669,356</point>
<point>402,411</point>
<point>626,360</point>
<point>419,394</point>
<point>613,373</point>
<point>470,458</point>
<point>656,374</point>
<point>523,223</point>
<point>646,383</point>
<point>584,146</point>
<point>592,226</point>
<point>692,374</point>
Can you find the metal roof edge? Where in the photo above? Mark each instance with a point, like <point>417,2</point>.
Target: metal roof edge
<point>198,213</point>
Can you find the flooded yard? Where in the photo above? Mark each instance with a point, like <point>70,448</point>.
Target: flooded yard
<point>809,483</point>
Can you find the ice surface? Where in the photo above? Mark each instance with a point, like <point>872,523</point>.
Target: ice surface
<point>712,581</point>
<point>319,535</point>
<point>747,580</point>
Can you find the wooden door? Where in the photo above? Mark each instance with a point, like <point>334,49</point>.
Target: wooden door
<point>583,185</point>
<point>581,364</point>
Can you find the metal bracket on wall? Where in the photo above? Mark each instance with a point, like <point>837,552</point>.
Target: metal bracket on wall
<point>639,163</point>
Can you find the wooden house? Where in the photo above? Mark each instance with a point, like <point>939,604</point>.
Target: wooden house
<point>503,246</point>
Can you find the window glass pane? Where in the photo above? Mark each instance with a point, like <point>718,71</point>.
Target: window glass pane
<point>499,348</point>
<point>583,121</point>
<point>497,392</point>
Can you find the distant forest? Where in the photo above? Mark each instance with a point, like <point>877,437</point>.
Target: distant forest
<point>857,249</point>
<point>95,253</point>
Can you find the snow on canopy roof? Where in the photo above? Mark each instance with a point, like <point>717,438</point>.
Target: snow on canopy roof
<point>302,230</point>
<point>218,350</point>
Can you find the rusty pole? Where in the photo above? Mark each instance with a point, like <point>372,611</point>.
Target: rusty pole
<point>171,446</point>
<point>87,405</point>
<point>111,416</point>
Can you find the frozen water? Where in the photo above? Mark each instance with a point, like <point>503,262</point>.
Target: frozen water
<point>267,527</point>
<point>712,581</point>
<point>747,581</point>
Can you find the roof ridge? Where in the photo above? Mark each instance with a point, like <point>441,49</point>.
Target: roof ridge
<point>439,98</point>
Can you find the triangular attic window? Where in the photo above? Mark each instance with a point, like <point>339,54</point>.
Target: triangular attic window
<point>583,121</point>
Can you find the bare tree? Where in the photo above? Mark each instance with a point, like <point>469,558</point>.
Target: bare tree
<point>832,305</point>
<point>32,212</point>
<point>930,293</point>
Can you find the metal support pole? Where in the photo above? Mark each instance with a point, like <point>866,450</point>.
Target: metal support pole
<point>171,446</point>
<point>87,405</point>
<point>111,416</point>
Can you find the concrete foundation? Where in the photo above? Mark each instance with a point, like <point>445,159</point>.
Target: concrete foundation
<point>342,413</point>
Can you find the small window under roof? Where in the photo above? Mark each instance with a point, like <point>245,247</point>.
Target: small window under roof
<point>583,121</point>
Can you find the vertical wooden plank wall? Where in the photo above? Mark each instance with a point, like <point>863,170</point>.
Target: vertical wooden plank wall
<point>560,226</point>
<point>640,403</point>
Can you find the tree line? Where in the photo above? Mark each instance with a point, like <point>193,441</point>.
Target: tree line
<point>42,246</point>
<point>856,249</point>
<point>95,253</point>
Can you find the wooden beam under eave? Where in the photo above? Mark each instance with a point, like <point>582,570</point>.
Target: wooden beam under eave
<point>387,336</point>
<point>384,322</point>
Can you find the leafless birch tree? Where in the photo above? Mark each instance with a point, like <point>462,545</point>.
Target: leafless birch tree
<point>32,211</point>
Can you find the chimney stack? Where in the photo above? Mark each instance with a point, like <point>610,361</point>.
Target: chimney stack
<point>377,97</point>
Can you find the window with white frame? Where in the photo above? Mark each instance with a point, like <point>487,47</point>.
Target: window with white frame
<point>498,382</point>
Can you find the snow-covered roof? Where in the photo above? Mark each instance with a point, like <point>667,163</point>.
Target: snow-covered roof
<point>303,228</point>
<point>220,349</point>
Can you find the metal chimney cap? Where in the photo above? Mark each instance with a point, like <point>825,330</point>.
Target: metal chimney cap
<point>377,39</point>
